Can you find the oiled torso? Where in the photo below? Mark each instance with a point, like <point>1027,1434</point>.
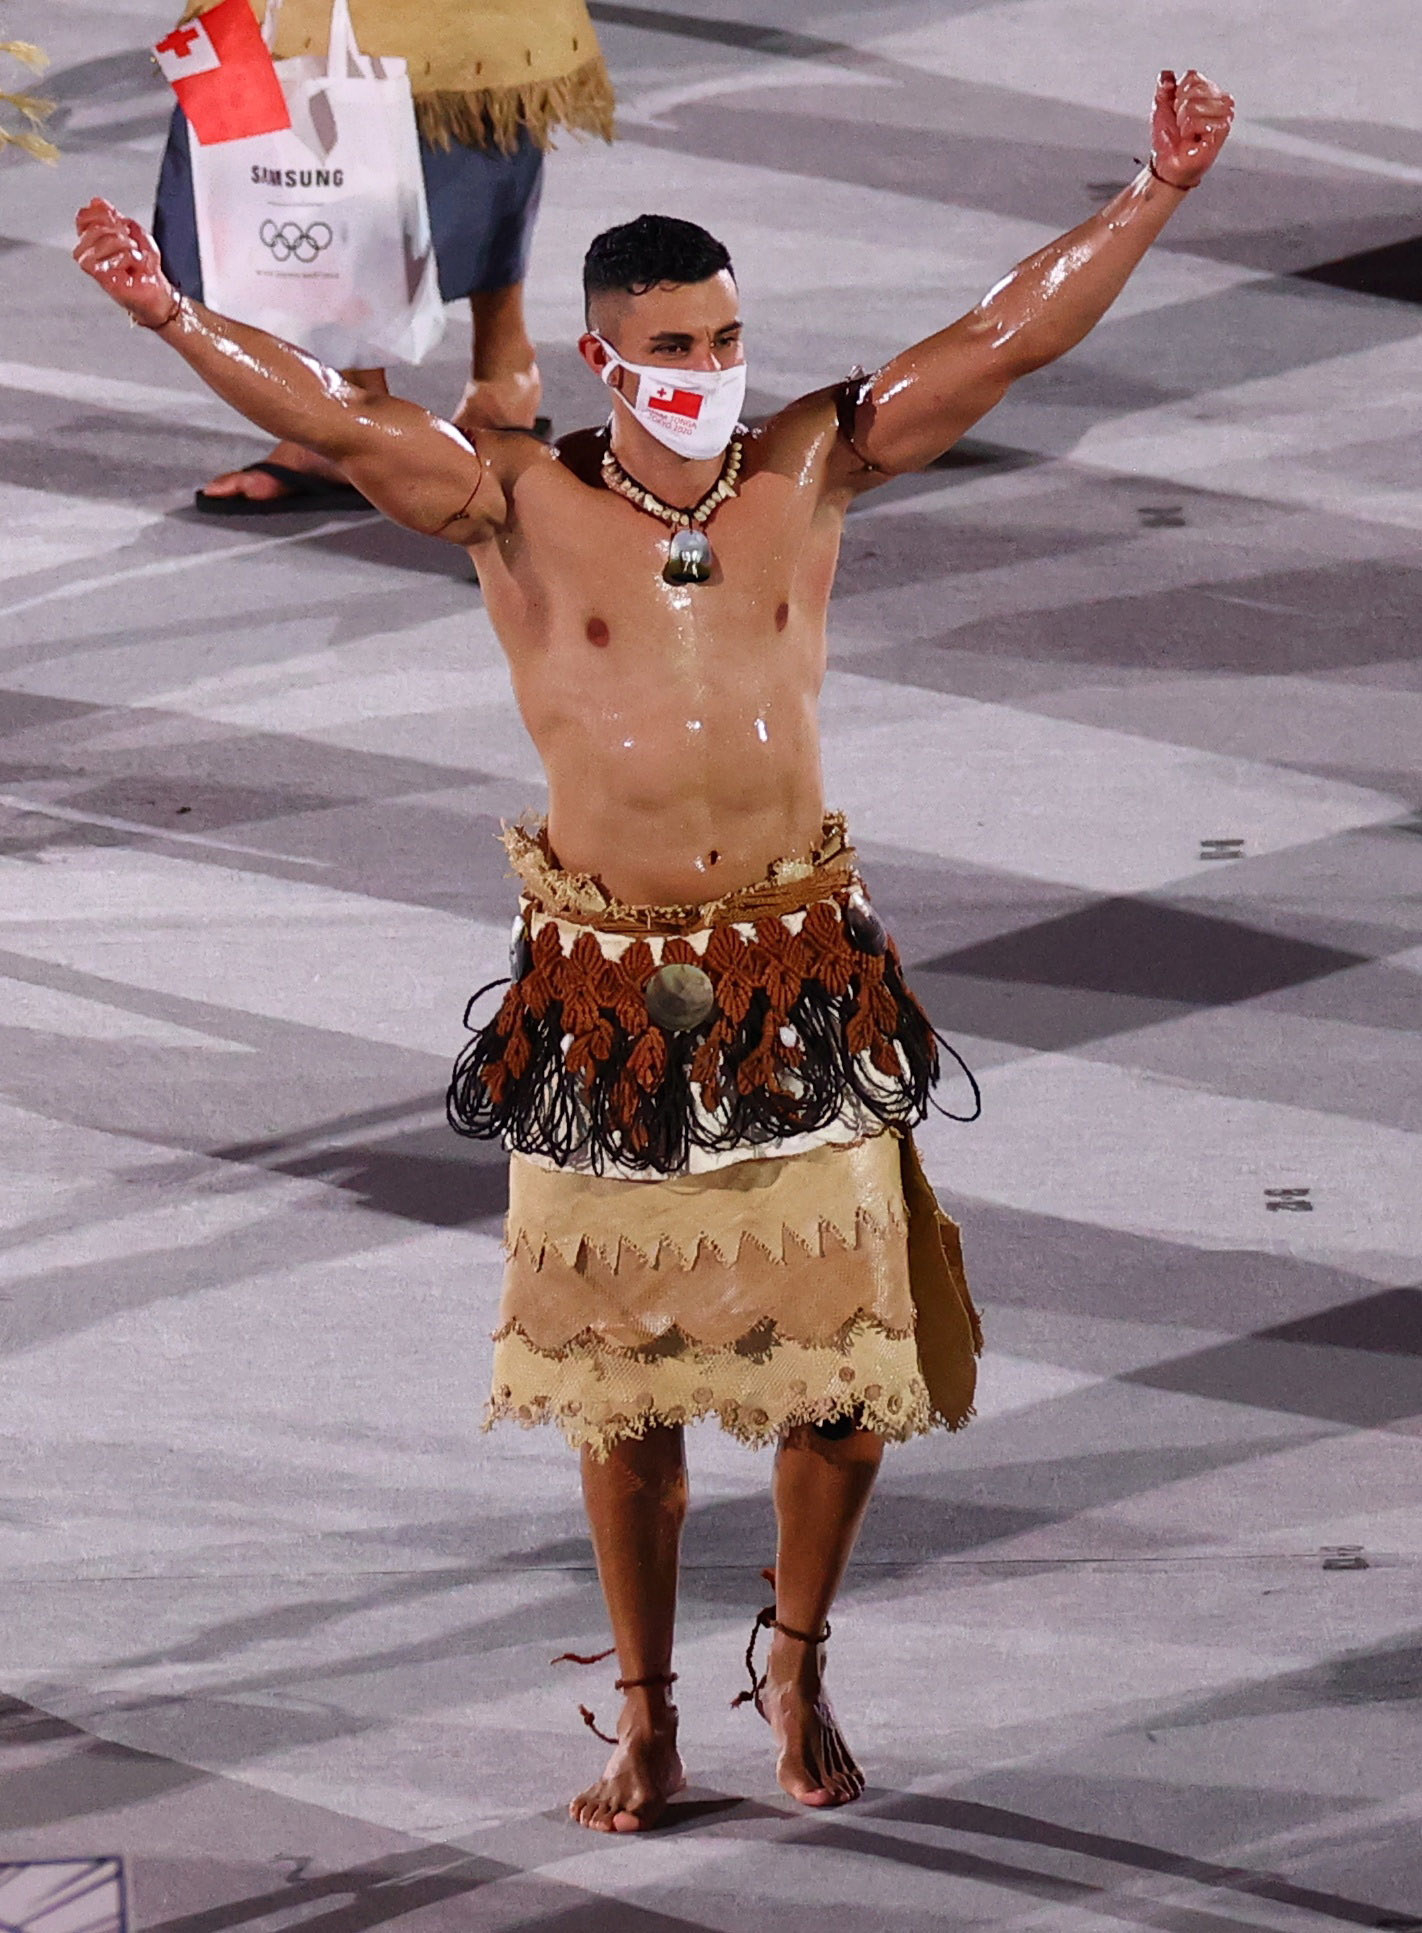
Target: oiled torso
<point>677,723</point>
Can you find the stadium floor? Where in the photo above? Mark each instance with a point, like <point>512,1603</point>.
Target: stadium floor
<point>1125,707</point>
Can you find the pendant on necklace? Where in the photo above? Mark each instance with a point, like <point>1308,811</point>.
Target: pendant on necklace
<point>689,558</point>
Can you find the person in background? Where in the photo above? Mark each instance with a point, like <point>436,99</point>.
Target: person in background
<point>492,81</point>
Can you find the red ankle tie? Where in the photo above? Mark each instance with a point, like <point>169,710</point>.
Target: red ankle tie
<point>766,1620</point>
<point>619,1684</point>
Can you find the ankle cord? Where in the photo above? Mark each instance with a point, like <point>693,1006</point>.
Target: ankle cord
<point>618,1684</point>
<point>766,1620</point>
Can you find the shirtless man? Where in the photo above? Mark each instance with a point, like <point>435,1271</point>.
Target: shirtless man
<point>705,1015</point>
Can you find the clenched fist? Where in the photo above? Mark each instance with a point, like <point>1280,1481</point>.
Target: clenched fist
<point>1188,127</point>
<point>123,259</point>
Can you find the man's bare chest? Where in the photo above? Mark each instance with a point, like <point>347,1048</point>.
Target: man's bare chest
<point>569,541</point>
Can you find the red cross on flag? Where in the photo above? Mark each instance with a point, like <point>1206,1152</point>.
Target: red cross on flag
<point>222,73</point>
<point>672,401</point>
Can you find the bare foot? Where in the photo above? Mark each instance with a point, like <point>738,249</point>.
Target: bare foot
<point>262,488</point>
<point>815,1765</point>
<point>644,1771</point>
<point>500,402</point>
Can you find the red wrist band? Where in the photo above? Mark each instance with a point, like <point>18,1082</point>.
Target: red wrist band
<point>171,316</point>
<point>1180,187</point>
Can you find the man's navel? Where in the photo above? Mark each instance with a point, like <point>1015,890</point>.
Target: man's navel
<point>598,632</point>
<point>782,616</point>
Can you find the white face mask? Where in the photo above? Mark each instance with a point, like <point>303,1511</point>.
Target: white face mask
<point>691,411</point>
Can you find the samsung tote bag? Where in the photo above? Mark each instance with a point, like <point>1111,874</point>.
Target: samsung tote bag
<point>321,233</point>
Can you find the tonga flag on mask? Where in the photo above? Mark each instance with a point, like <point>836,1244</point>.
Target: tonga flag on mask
<point>671,401</point>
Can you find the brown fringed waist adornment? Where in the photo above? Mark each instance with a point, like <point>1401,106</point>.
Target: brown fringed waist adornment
<point>631,1037</point>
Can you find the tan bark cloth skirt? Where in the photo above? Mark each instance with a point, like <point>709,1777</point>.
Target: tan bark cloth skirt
<point>767,1291</point>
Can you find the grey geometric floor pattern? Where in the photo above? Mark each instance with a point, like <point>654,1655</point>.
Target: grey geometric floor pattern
<point>1125,707</point>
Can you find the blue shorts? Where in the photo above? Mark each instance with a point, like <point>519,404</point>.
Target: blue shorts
<point>482,208</point>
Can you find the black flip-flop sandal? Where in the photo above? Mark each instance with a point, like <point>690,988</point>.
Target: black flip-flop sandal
<point>303,494</point>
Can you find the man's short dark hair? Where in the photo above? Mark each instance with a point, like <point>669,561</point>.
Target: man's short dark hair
<point>637,255</point>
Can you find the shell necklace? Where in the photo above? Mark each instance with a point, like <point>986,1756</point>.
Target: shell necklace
<point>690,559</point>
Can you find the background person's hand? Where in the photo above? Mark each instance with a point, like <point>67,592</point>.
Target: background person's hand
<point>1188,127</point>
<point>123,259</point>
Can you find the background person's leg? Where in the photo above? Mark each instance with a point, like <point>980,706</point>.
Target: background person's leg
<point>504,389</point>
<point>636,1505</point>
<point>174,216</point>
<point>483,206</point>
<point>822,1489</point>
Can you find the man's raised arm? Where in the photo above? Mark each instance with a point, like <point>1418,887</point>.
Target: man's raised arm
<point>921,402</point>
<point>417,469</point>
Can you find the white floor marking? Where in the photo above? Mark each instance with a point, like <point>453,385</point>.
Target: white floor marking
<point>170,566</point>
<point>16,802</point>
<point>48,529</point>
<point>192,408</point>
<point>1018,792</point>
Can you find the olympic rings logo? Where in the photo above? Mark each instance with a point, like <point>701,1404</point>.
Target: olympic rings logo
<point>288,241</point>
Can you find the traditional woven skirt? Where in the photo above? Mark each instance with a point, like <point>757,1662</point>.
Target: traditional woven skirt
<point>715,1204</point>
